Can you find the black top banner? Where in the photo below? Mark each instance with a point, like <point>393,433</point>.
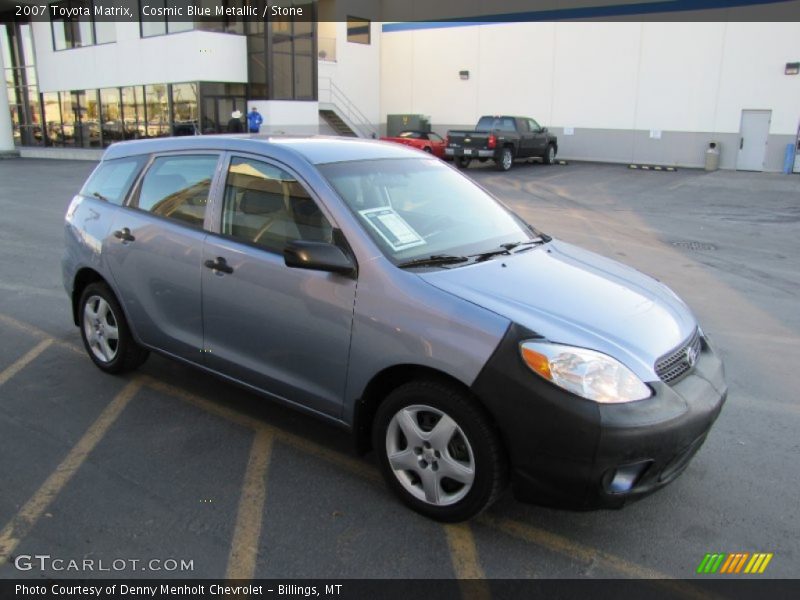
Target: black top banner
<point>397,12</point>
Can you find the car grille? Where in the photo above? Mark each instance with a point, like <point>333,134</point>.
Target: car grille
<point>674,365</point>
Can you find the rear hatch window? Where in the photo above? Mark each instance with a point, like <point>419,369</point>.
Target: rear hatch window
<point>112,179</point>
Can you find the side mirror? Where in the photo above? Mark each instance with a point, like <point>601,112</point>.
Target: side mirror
<point>317,256</point>
<point>544,129</point>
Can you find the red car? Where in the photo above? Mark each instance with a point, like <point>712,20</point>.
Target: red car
<point>422,140</point>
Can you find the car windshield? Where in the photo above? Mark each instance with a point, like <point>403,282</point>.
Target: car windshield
<point>419,208</point>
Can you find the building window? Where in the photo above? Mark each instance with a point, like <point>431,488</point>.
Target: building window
<point>80,30</point>
<point>185,118</point>
<point>223,23</point>
<point>161,25</point>
<point>133,112</point>
<point>156,102</point>
<point>152,25</point>
<point>111,116</point>
<point>19,75</point>
<point>281,58</point>
<point>358,30</point>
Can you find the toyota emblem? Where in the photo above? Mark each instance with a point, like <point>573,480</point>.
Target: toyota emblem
<point>691,356</point>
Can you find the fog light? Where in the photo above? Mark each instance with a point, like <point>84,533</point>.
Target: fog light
<point>626,476</point>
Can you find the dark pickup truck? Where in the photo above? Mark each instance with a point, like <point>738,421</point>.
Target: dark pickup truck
<point>502,139</point>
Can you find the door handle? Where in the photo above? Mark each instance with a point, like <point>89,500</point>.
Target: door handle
<point>124,235</point>
<point>220,265</point>
<point>741,143</point>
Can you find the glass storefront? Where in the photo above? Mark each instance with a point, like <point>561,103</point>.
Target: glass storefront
<point>282,65</point>
<point>20,83</point>
<point>98,118</point>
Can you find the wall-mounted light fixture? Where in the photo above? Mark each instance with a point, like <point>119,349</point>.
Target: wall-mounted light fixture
<point>792,68</point>
<point>463,74</point>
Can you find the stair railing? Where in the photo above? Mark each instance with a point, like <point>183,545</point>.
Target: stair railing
<point>346,107</point>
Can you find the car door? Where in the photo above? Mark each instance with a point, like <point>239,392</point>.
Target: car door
<point>285,331</point>
<point>526,139</point>
<point>437,144</point>
<point>155,248</point>
<point>538,138</point>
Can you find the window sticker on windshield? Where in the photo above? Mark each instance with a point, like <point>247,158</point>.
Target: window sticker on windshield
<point>392,228</point>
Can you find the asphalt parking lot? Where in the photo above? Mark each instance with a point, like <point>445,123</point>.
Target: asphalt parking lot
<point>169,463</point>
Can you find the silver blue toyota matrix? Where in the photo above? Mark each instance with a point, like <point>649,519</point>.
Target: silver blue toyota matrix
<point>377,287</point>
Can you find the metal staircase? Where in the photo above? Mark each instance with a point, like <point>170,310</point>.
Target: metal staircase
<point>341,113</point>
<point>339,126</point>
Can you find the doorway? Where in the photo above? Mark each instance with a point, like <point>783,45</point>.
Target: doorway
<point>217,112</point>
<point>753,139</point>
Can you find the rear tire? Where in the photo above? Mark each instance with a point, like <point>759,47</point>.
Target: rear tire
<point>506,159</point>
<point>462,162</point>
<point>438,452</point>
<point>105,332</point>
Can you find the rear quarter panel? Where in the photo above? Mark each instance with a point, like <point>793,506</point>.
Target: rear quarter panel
<point>86,228</point>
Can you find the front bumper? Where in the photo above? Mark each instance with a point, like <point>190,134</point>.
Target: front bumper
<point>468,153</point>
<point>571,452</point>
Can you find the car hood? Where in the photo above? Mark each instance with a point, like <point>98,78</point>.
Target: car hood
<point>572,296</point>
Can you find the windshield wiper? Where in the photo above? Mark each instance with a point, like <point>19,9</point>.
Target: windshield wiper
<point>100,196</point>
<point>507,248</point>
<point>433,260</point>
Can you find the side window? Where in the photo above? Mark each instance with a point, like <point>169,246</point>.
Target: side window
<point>112,179</point>
<point>358,30</point>
<point>534,126</point>
<point>434,137</point>
<point>267,206</point>
<point>177,187</point>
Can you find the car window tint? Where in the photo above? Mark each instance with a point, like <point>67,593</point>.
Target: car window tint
<point>507,124</point>
<point>112,179</point>
<point>177,187</point>
<point>267,206</point>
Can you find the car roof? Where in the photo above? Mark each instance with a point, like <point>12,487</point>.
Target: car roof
<point>314,149</point>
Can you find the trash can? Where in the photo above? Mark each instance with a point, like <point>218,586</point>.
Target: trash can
<point>712,156</point>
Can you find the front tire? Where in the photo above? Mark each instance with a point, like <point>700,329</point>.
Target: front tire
<point>506,159</point>
<point>438,452</point>
<point>105,332</point>
<point>549,155</point>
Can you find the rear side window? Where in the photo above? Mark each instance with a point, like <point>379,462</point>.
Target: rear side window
<point>496,123</point>
<point>177,187</point>
<point>112,179</point>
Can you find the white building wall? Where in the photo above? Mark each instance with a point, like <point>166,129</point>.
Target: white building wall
<point>616,84</point>
<point>356,71</point>
<point>132,60</point>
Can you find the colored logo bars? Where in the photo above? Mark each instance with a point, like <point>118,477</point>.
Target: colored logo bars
<point>736,563</point>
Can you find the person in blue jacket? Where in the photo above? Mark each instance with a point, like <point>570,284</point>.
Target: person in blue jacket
<point>254,120</point>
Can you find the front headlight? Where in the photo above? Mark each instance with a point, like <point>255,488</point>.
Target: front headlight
<point>587,373</point>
